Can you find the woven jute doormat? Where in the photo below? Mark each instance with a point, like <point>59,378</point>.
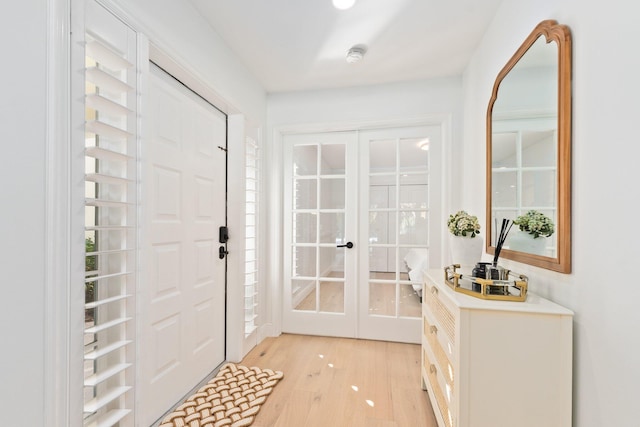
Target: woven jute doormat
<point>231,399</point>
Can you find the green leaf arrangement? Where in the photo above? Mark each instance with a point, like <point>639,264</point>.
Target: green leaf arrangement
<point>535,223</point>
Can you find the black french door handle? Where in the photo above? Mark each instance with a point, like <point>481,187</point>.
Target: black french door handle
<point>349,245</point>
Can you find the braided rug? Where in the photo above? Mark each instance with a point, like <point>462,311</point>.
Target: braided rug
<point>231,399</point>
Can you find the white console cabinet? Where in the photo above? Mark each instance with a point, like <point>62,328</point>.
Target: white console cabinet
<point>495,363</point>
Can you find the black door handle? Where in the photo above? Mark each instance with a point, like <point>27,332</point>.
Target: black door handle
<point>222,252</point>
<point>349,245</point>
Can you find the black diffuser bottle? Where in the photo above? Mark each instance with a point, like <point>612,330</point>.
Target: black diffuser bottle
<point>480,271</point>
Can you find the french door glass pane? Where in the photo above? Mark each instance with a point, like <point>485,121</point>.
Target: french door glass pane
<point>332,296</point>
<point>378,261</point>
<point>304,293</point>
<point>305,160</point>
<point>412,227</point>
<point>408,305</point>
<point>331,261</point>
<point>382,156</point>
<point>305,230</point>
<point>412,156</point>
<point>304,261</point>
<point>332,195</point>
<point>333,159</point>
<point>381,228</point>
<point>382,299</point>
<point>305,194</point>
<point>378,196</point>
<point>332,228</point>
<point>414,196</point>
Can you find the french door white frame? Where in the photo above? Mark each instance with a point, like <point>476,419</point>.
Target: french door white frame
<point>275,206</point>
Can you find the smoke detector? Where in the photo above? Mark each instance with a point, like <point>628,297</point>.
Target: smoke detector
<point>355,54</point>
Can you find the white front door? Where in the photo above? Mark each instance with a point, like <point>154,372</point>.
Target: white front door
<point>380,191</point>
<point>181,304</point>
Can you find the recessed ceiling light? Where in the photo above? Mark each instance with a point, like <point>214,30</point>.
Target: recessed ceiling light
<point>343,4</point>
<point>424,144</point>
<point>355,54</point>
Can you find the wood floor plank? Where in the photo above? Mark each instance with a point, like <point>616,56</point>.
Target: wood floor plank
<point>342,382</point>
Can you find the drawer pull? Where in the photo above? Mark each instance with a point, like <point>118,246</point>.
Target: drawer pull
<point>434,290</point>
<point>433,369</point>
<point>433,329</point>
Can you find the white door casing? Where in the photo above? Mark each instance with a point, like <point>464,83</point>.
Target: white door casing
<point>182,307</point>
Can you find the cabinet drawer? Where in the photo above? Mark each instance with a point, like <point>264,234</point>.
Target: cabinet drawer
<point>431,371</point>
<point>442,360</point>
<point>440,312</point>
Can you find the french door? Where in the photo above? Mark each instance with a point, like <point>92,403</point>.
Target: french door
<point>359,226</point>
<point>182,304</point>
<point>320,257</point>
<point>399,228</point>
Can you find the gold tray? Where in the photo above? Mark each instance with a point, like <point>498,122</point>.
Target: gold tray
<point>498,290</point>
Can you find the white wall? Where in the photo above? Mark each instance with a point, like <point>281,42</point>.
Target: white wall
<point>368,103</point>
<point>22,226</point>
<point>601,289</point>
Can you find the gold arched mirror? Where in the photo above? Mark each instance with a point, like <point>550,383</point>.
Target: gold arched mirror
<point>529,150</point>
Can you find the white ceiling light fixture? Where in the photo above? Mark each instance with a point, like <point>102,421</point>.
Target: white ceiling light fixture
<point>343,4</point>
<point>356,53</point>
<point>424,144</point>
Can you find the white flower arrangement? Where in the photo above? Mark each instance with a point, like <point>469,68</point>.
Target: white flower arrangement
<point>535,223</point>
<point>461,224</point>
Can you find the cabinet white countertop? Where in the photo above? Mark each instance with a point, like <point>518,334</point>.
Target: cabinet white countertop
<point>533,303</point>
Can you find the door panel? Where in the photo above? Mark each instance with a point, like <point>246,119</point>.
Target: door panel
<point>319,296</point>
<point>393,159</point>
<point>182,304</point>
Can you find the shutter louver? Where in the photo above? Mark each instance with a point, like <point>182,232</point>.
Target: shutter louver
<point>110,234</point>
<point>251,243</point>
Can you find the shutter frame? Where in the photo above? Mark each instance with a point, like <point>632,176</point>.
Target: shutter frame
<point>110,228</point>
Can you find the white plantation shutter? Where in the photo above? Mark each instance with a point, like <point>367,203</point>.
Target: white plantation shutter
<point>252,162</point>
<point>110,229</point>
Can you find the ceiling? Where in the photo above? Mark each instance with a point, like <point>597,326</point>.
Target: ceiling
<point>294,45</point>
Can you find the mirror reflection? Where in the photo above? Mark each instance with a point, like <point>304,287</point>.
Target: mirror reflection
<point>524,146</point>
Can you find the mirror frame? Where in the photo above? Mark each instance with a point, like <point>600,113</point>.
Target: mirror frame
<point>560,34</point>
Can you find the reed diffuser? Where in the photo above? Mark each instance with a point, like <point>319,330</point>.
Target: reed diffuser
<point>504,231</point>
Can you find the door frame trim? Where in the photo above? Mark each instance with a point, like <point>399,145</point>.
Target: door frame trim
<point>275,223</point>
<point>57,369</point>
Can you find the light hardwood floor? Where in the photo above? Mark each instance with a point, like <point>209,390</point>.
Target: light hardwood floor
<point>339,382</point>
